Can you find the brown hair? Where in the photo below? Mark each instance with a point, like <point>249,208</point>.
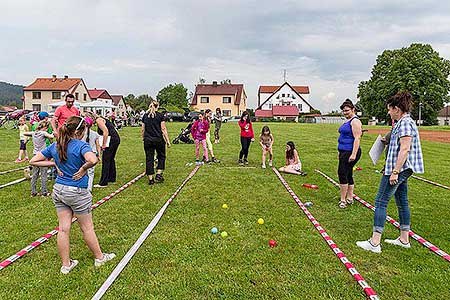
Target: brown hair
<point>347,103</point>
<point>73,126</point>
<point>43,124</point>
<point>402,100</point>
<point>152,108</point>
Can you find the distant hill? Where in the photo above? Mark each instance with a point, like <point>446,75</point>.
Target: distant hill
<point>11,94</point>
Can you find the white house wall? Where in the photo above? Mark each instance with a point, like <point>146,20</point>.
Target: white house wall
<point>286,90</point>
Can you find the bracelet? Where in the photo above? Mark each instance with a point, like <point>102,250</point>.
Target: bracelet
<point>395,172</point>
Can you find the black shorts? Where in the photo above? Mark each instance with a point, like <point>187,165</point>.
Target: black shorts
<point>23,145</point>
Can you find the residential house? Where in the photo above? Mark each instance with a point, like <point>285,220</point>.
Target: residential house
<point>102,102</point>
<point>43,92</point>
<point>282,102</point>
<point>444,116</point>
<point>120,103</point>
<point>230,98</point>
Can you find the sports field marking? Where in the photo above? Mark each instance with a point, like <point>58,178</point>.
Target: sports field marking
<point>54,232</point>
<point>345,261</point>
<point>129,255</point>
<point>430,182</point>
<point>412,234</point>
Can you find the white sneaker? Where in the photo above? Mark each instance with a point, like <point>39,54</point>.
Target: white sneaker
<point>65,270</point>
<point>106,257</point>
<point>270,163</point>
<point>367,245</point>
<point>397,242</point>
<point>263,166</point>
<point>100,186</point>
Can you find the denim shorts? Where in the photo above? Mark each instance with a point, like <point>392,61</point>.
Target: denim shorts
<point>78,200</point>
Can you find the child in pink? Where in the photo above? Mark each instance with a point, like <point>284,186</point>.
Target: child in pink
<point>198,131</point>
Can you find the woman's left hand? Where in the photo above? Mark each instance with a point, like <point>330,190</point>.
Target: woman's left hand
<point>393,180</point>
<point>80,173</point>
<point>352,158</point>
<point>253,139</point>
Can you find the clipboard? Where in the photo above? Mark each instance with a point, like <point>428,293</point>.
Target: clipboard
<point>376,150</point>
<point>100,141</point>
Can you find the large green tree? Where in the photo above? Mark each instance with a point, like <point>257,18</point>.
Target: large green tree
<point>417,69</point>
<point>173,95</point>
<point>138,103</point>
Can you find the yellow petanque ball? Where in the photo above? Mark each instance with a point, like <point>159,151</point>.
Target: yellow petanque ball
<point>260,221</point>
<point>224,205</point>
<point>224,234</point>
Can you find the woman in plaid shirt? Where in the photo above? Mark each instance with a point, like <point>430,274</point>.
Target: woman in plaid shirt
<point>403,159</point>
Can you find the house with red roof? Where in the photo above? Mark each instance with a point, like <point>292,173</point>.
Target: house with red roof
<point>43,92</point>
<point>230,98</point>
<point>282,102</point>
<point>120,103</point>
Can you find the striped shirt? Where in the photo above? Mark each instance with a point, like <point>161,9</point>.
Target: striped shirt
<point>405,127</point>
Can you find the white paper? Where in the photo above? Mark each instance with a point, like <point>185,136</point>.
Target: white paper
<point>100,141</point>
<point>376,150</point>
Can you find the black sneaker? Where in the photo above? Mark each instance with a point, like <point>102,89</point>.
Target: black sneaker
<point>159,178</point>
<point>215,160</point>
<point>151,181</point>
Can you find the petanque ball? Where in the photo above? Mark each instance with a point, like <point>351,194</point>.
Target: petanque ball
<point>260,221</point>
<point>224,234</point>
<point>225,205</point>
<point>214,230</point>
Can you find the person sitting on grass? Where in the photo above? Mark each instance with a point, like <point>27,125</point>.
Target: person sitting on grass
<point>266,142</point>
<point>198,131</point>
<point>70,194</point>
<point>39,138</point>
<point>293,163</point>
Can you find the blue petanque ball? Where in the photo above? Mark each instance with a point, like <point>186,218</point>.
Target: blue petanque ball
<point>214,230</point>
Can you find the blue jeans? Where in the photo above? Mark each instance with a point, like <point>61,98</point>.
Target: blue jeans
<point>400,192</point>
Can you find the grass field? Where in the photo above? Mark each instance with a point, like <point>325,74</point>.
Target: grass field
<point>181,259</point>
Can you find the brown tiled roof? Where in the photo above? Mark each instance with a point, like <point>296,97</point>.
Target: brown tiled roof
<point>219,89</point>
<point>99,93</point>
<point>269,89</point>
<point>116,99</point>
<point>53,84</point>
<point>445,112</point>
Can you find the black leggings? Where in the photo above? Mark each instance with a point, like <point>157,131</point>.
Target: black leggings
<point>245,145</point>
<point>149,148</point>
<point>345,168</point>
<point>109,163</point>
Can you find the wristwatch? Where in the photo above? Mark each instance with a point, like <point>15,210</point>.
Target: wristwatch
<point>395,172</point>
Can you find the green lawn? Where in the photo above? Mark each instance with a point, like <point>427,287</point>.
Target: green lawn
<point>181,259</point>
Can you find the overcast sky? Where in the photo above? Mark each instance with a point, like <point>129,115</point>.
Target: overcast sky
<point>141,46</point>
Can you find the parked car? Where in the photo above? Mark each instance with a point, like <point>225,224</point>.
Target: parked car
<point>17,114</point>
<point>191,116</point>
<point>231,119</point>
<point>29,115</point>
<point>174,116</point>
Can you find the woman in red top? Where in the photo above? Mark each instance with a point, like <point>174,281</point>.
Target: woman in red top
<point>247,137</point>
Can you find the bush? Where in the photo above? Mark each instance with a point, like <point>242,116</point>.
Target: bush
<point>364,120</point>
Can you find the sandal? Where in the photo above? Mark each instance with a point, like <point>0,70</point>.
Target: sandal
<point>349,201</point>
<point>342,204</point>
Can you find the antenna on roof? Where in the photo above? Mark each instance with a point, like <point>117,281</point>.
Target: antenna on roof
<point>284,75</point>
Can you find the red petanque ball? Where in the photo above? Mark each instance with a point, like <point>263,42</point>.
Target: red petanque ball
<point>272,243</point>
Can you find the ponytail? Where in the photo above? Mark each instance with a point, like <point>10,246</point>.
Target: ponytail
<point>72,127</point>
<point>152,108</point>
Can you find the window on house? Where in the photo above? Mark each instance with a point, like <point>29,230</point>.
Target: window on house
<point>56,95</point>
<point>36,107</point>
<point>76,96</point>
<point>226,99</point>
<point>36,95</point>
<point>288,95</point>
<point>204,99</point>
<point>299,107</point>
<point>283,95</point>
<point>270,105</point>
<point>226,112</point>
<point>293,96</point>
<point>84,97</point>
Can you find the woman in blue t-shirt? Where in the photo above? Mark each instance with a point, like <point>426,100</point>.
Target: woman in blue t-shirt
<point>71,197</point>
<point>349,152</point>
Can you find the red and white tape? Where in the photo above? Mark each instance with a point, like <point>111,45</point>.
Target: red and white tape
<point>54,232</point>
<point>412,234</point>
<point>12,182</point>
<point>345,261</point>
<point>13,170</point>
<point>430,182</point>
<point>129,255</point>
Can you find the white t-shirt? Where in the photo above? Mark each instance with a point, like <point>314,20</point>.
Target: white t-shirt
<point>93,136</point>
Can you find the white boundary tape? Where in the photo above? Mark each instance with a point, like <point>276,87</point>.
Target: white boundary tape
<point>12,182</point>
<point>345,261</point>
<point>412,234</point>
<point>129,255</point>
<point>13,170</point>
<point>54,232</point>
<point>430,182</point>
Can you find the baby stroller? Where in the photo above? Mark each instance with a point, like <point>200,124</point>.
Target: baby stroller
<point>184,136</point>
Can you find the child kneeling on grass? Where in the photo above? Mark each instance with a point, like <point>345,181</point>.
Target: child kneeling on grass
<point>293,163</point>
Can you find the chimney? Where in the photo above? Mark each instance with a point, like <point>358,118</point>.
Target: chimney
<point>53,78</point>
<point>66,77</point>
<point>214,83</point>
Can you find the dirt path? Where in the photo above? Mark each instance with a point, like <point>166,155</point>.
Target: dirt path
<point>429,135</point>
